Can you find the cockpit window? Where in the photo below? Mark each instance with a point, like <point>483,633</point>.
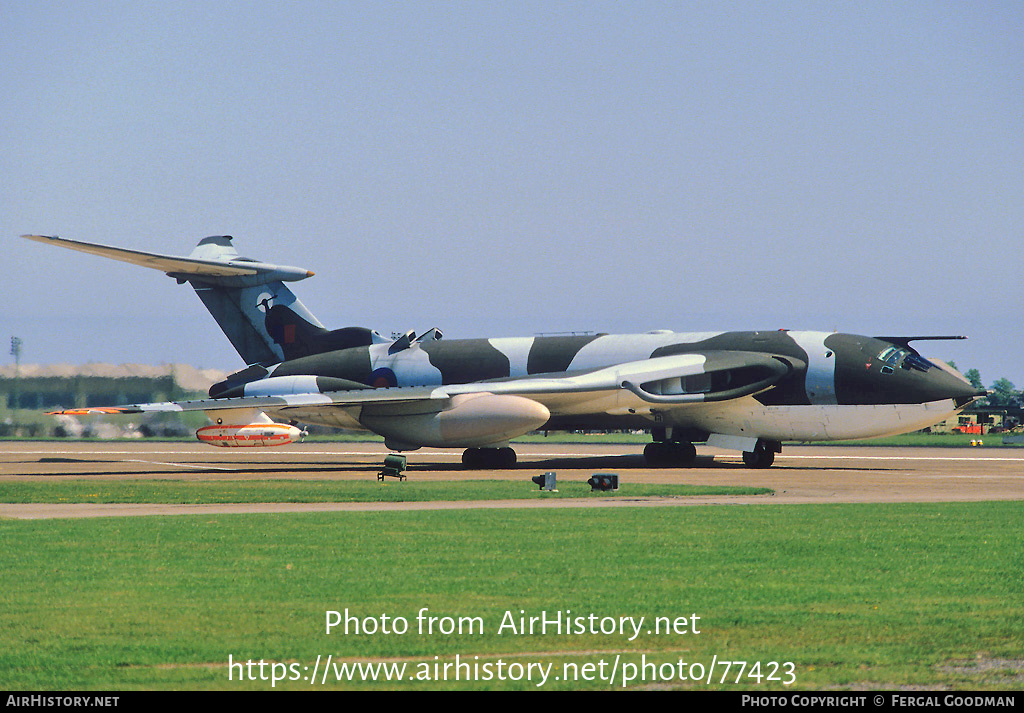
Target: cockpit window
<point>904,358</point>
<point>892,355</point>
<point>916,361</point>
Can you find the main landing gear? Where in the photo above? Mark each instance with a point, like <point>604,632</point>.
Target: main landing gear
<point>673,453</point>
<point>668,454</point>
<point>489,458</point>
<point>670,449</point>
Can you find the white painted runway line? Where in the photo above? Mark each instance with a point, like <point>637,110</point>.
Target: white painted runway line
<point>955,459</point>
<point>179,465</point>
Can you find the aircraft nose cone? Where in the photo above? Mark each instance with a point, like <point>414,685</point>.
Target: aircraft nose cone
<point>942,383</point>
<point>872,371</point>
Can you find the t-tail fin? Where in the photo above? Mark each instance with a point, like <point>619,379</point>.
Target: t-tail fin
<point>261,317</point>
<point>241,303</point>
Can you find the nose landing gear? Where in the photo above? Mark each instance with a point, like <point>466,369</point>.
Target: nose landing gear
<point>763,454</point>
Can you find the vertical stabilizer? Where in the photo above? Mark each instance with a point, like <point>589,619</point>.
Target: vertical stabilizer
<point>240,304</point>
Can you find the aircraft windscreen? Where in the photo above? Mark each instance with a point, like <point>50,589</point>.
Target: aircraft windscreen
<point>902,358</point>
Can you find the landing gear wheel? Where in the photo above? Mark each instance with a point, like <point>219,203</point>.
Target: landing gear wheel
<point>686,453</point>
<point>505,457</point>
<point>668,454</point>
<point>654,454</point>
<point>761,457</point>
<point>489,458</point>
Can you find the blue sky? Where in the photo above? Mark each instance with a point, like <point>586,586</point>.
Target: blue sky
<point>502,169</point>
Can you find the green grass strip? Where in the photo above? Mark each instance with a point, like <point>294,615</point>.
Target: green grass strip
<point>329,491</point>
<point>856,596</point>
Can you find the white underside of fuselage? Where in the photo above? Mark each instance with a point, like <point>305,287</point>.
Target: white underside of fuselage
<point>744,417</point>
<point>747,417</point>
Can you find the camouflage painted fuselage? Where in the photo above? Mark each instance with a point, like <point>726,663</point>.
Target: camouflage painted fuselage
<point>840,385</point>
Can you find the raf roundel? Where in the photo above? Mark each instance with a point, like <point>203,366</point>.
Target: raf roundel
<point>383,378</point>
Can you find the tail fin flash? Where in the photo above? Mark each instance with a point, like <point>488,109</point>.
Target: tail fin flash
<point>242,294</point>
<point>298,337</point>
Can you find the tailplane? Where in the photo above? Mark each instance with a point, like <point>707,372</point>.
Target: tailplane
<point>264,321</point>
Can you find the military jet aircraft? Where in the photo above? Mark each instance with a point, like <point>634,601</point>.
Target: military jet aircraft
<point>746,391</point>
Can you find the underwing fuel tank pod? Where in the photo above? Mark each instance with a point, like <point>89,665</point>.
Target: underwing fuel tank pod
<point>250,434</point>
<point>747,391</point>
<point>471,420</point>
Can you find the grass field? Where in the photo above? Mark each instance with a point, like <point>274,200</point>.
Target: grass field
<point>327,491</point>
<point>879,596</point>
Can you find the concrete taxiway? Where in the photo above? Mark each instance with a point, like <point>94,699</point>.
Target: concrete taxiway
<point>801,474</point>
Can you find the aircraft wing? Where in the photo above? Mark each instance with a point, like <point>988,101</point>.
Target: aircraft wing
<point>668,380</point>
<point>283,402</point>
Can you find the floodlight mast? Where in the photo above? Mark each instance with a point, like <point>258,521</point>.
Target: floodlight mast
<point>16,353</point>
